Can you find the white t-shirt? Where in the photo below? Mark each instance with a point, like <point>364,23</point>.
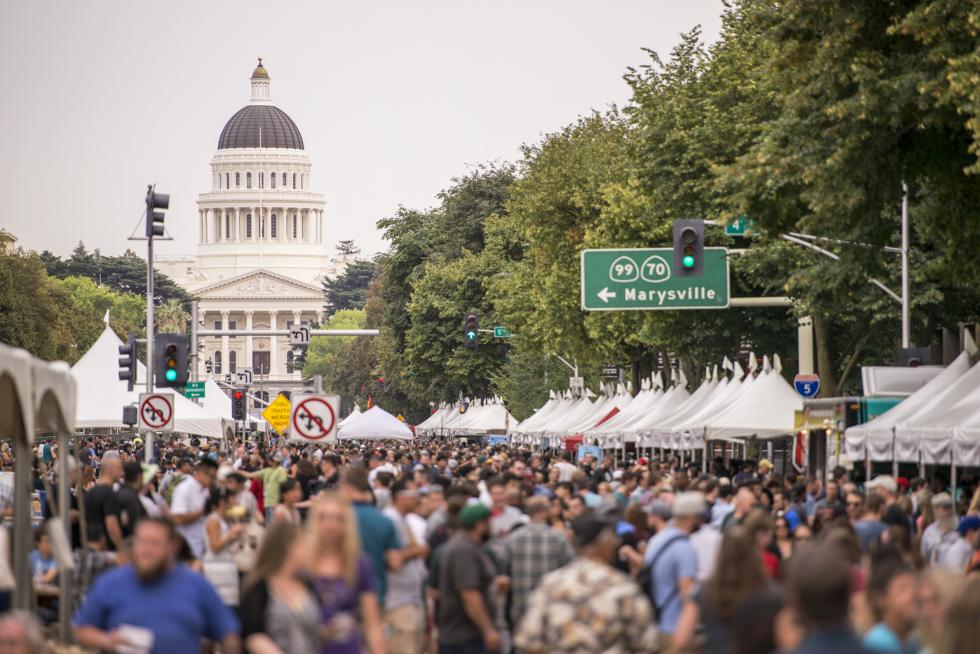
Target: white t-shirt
<point>404,586</point>
<point>566,471</point>
<point>190,497</point>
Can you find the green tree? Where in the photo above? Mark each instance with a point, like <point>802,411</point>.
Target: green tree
<point>171,318</point>
<point>349,289</point>
<point>33,311</point>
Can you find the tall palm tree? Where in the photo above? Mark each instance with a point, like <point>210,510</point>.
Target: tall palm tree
<point>171,317</point>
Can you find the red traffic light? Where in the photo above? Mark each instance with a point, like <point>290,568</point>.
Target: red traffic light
<point>238,395</point>
<point>381,380</point>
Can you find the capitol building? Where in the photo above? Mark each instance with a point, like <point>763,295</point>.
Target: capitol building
<point>262,254</point>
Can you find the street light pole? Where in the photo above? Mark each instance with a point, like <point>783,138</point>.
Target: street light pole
<point>906,314</point>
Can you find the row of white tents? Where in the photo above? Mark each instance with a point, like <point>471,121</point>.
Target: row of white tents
<point>938,424</point>
<point>488,416</point>
<point>759,403</point>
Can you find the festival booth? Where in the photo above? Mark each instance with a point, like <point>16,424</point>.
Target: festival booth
<point>350,416</point>
<point>37,397</point>
<point>375,424</point>
<point>874,440</point>
<point>102,395</point>
<point>485,417</point>
<point>937,425</point>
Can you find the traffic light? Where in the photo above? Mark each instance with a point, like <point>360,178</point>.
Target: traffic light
<point>127,361</point>
<point>471,330</point>
<point>237,404</point>
<point>688,248</point>
<point>170,360</point>
<point>154,218</point>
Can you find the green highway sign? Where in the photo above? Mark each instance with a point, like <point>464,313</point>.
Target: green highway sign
<point>194,390</point>
<point>643,279</point>
<point>741,226</point>
<point>501,332</point>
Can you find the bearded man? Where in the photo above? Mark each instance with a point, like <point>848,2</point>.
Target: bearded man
<point>154,604</point>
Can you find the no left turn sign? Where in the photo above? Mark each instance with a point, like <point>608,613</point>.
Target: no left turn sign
<point>314,418</point>
<point>156,411</point>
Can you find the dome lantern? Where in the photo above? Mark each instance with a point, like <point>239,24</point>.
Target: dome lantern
<point>260,85</point>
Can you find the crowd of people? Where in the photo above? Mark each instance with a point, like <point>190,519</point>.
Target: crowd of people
<point>454,547</point>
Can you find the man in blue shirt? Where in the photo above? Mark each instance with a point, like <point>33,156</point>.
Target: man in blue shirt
<point>379,540</point>
<point>154,604</point>
<point>673,561</point>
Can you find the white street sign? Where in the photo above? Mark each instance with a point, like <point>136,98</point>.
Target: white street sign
<point>156,411</point>
<point>245,376</point>
<point>314,418</point>
<point>299,334</point>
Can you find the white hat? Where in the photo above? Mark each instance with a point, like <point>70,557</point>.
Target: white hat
<point>689,503</point>
<point>884,482</point>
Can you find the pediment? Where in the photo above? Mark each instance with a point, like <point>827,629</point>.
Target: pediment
<point>259,284</point>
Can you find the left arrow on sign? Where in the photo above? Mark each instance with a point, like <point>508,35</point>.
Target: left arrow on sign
<point>605,294</point>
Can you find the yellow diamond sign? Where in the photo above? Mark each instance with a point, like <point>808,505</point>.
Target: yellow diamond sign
<point>277,413</point>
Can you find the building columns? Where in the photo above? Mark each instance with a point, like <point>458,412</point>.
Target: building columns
<point>248,339</point>
<point>225,368</point>
<point>273,345</point>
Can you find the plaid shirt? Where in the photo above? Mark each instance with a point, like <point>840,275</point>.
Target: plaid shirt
<point>530,553</point>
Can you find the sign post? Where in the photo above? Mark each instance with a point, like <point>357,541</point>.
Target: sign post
<point>314,418</point>
<point>644,279</point>
<point>156,412</point>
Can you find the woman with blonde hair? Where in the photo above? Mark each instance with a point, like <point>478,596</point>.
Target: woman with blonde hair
<point>280,611</point>
<point>343,579</point>
<point>961,629</point>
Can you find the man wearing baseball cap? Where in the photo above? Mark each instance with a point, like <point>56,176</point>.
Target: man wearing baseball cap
<point>465,614</point>
<point>958,555</point>
<point>673,561</point>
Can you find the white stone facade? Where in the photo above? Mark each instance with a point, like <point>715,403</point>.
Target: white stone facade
<point>261,257</point>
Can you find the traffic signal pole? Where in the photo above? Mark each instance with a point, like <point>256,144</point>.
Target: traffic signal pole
<point>148,442</point>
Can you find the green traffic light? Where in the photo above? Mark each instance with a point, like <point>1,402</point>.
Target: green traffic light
<point>471,334</point>
<point>171,375</point>
<point>688,261</point>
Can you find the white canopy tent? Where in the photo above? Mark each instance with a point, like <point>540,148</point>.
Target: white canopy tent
<point>102,395</point>
<point>375,424</point>
<point>350,416</point>
<point>930,431</point>
<point>877,436</point>
<point>487,416</point>
<point>216,401</point>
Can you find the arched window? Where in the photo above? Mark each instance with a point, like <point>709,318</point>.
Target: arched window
<point>248,180</point>
<point>295,225</point>
<point>284,180</point>
<point>272,180</point>
<point>294,180</point>
<point>261,180</point>
<point>272,226</point>
<point>233,362</point>
<point>238,180</point>
<point>227,228</point>
<point>289,362</point>
<point>217,362</point>
<point>227,179</point>
<point>248,225</point>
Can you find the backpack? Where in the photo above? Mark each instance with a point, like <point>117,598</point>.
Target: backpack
<point>645,579</point>
<point>168,492</point>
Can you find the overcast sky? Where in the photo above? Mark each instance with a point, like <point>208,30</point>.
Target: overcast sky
<point>393,98</point>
